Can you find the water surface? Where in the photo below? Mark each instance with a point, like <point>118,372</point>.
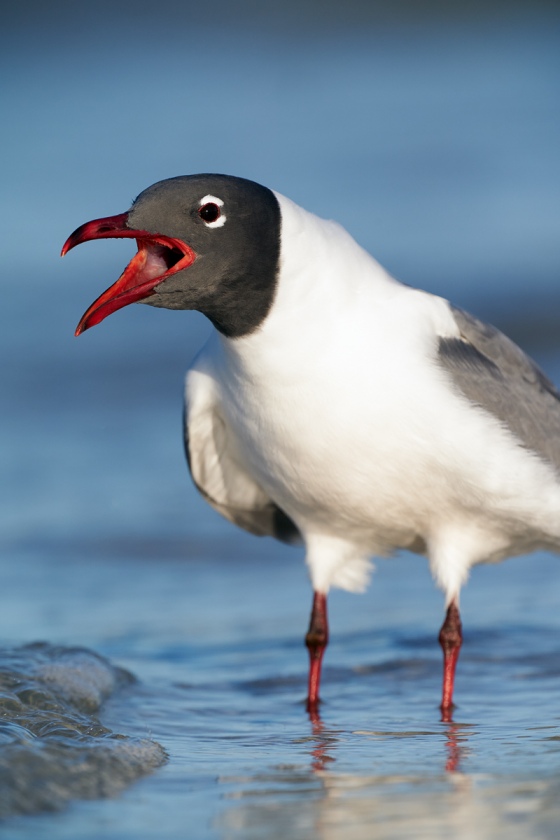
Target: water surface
<point>222,685</point>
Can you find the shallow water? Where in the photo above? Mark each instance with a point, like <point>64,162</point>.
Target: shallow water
<point>222,682</point>
<point>437,146</point>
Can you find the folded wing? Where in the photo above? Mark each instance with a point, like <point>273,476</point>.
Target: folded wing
<point>495,374</point>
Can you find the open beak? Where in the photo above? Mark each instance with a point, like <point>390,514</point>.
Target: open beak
<point>157,258</point>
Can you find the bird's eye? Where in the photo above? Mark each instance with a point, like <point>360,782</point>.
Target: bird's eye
<point>209,212</point>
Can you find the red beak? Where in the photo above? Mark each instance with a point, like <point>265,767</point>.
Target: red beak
<point>158,257</point>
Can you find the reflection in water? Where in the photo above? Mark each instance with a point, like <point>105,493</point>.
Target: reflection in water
<point>437,801</point>
<point>391,808</point>
<point>457,735</point>
<point>324,740</point>
<point>453,738</point>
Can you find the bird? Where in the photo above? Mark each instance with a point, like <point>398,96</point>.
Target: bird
<point>335,406</point>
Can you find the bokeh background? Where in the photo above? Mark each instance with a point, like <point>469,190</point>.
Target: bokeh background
<point>430,130</point>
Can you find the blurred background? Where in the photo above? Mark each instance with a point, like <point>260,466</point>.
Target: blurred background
<point>430,130</point>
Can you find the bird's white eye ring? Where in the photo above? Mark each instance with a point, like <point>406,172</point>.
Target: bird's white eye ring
<point>210,211</point>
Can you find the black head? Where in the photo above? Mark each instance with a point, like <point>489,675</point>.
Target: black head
<point>205,242</point>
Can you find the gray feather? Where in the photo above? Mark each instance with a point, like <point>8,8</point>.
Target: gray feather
<point>495,374</point>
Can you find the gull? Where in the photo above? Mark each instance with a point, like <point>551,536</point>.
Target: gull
<point>335,406</point>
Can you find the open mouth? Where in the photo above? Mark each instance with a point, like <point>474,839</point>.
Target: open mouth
<point>162,255</point>
<point>158,257</point>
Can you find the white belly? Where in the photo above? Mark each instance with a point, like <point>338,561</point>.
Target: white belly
<point>360,437</point>
<point>384,471</point>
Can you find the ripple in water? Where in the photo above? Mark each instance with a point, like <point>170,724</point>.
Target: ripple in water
<point>52,746</point>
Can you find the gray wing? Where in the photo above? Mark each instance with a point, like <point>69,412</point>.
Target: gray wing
<point>495,374</point>
<point>221,480</point>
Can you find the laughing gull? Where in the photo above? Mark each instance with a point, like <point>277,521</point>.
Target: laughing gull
<point>336,406</point>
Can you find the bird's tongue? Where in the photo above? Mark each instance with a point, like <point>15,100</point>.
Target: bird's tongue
<point>157,258</point>
<point>148,263</point>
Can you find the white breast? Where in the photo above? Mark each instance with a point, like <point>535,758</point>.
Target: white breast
<point>345,419</point>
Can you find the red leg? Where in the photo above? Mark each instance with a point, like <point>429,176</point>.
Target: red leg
<point>450,639</point>
<point>316,640</point>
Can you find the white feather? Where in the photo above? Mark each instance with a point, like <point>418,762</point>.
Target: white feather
<point>337,411</point>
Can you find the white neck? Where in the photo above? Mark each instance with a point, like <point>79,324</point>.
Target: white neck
<point>323,275</point>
